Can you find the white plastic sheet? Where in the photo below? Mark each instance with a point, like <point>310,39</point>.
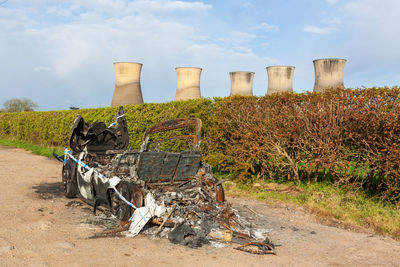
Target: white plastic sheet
<point>142,215</point>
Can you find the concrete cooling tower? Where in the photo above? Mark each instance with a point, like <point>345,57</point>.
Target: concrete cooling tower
<point>188,83</point>
<point>127,84</point>
<point>328,73</point>
<point>241,83</point>
<point>280,79</point>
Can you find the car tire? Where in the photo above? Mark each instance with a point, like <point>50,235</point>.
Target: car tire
<point>118,207</point>
<point>69,184</point>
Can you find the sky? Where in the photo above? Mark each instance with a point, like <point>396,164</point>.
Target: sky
<point>61,53</point>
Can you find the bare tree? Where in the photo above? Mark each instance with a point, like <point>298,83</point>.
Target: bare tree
<point>19,105</point>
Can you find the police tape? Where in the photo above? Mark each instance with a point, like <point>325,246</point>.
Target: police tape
<point>67,153</point>
<point>116,120</point>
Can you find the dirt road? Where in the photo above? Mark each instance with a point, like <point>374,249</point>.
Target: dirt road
<point>39,227</point>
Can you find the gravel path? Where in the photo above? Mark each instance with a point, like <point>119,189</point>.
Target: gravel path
<point>39,227</point>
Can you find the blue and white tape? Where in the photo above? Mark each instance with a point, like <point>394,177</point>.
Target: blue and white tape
<point>116,120</point>
<point>67,153</point>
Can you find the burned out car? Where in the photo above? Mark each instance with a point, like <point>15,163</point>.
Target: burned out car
<point>100,152</point>
<point>165,183</point>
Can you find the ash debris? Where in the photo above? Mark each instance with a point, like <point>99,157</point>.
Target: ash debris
<point>190,215</point>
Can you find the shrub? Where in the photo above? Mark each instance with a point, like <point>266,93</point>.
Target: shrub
<point>347,137</point>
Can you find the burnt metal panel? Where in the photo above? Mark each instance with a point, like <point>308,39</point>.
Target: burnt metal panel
<point>97,137</point>
<point>169,166</point>
<point>188,165</point>
<point>150,164</point>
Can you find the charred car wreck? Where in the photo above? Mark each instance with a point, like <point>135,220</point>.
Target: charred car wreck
<point>154,185</point>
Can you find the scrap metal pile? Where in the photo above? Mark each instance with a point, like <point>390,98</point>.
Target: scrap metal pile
<point>175,191</point>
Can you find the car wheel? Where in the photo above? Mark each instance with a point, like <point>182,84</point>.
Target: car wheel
<point>118,207</point>
<point>68,182</point>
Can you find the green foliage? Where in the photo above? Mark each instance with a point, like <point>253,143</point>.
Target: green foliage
<point>53,128</point>
<point>19,105</point>
<point>38,150</point>
<point>343,137</point>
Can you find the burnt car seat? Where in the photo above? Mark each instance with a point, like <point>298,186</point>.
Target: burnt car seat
<point>96,137</point>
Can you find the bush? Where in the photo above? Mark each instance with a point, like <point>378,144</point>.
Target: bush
<point>347,137</point>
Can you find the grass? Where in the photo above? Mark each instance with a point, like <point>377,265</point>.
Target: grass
<point>332,205</point>
<point>38,150</point>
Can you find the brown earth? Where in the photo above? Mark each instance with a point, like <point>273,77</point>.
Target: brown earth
<point>39,227</point>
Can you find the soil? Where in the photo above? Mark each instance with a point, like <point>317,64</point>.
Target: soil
<point>40,227</point>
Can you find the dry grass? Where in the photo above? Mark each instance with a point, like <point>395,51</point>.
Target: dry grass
<point>331,205</point>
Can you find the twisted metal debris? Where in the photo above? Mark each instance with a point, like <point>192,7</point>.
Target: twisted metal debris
<point>174,190</point>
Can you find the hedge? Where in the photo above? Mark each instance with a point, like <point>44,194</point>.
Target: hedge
<point>342,136</point>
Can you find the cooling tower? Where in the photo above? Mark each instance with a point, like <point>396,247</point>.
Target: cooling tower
<point>188,83</point>
<point>328,73</point>
<point>127,84</point>
<point>241,83</point>
<point>280,79</point>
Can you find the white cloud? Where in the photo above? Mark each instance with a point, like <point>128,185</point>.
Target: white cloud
<point>243,36</point>
<point>375,27</point>
<point>369,37</point>
<point>238,38</point>
<point>266,27</point>
<point>69,51</point>
<point>248,4</point>
<point>41,68</point>
<point>332,21</point>
<point>168,6</point>
<point>372,11</point>
<point>242,49</point>
<point>186,6</point>
<point>332,24</point>
<point>332,2</point>
<point>60,12</point>
<point>317,30</point>
<point>120,8</point>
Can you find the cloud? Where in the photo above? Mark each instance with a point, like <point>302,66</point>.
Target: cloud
<point>369,35</point>
<point>243,36</point>
<point>332,21</point>
<point>374,25</point>
<point>115,8</point>
<point>67,49</point>
<point>332,2</point>
<point>238,38</point>
<point>41,68</point>
<point>169,6</point>
<point>70,52</point>
<point>248,4</point>
<point>317,30</point>
<point>266,27</point>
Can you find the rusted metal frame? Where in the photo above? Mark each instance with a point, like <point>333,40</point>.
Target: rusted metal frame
<point>172,125</point>
<point>175,137</point>
<point>177,183</point>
